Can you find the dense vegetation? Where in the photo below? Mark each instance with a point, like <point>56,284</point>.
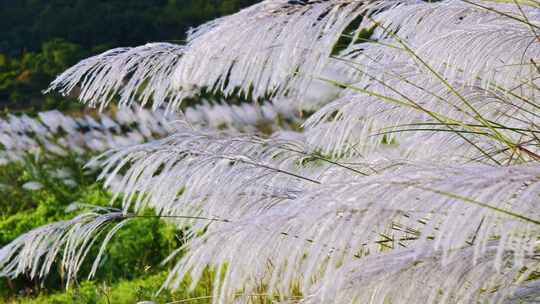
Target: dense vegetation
<point>42,38</point>
<point>133,262</point>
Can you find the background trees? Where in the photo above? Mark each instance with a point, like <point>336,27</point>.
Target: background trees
<point>42,38</point>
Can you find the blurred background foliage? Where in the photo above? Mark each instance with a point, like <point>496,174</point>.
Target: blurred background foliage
<point>134,255</point>
<point>41,38</point>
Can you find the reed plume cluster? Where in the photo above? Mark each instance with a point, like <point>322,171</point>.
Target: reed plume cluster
<point>402,164</point>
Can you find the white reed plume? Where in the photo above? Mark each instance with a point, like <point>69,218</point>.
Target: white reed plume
<point>34,253</point>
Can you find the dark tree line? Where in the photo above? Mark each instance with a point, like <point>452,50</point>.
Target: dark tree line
<point>40,38</point>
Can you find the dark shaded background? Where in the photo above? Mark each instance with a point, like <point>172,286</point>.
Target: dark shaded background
<point>41,38</point>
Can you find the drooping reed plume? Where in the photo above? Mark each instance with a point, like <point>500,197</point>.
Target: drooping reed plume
<point>414,177</point>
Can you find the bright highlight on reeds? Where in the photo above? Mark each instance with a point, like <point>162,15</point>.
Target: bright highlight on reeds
<point>401,165</point>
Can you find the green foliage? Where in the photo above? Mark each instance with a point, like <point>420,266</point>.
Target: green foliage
<point>89,23</point>
<point>22,79</point>
<point>136,250</point>
<point>14,175</point>
<point>125,292</point>
<point>42,38</point>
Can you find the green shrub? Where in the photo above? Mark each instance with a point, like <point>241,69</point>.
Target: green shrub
<point>137,250</point>
<point>124,292</point>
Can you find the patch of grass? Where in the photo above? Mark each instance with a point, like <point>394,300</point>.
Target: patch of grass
<point>124,292</point>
